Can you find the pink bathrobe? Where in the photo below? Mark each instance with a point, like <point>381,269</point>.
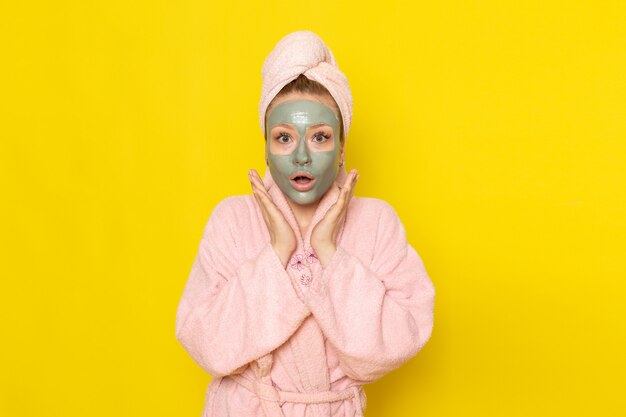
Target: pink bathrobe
<point>301,341</point>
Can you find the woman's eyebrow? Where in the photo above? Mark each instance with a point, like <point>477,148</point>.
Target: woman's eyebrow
<point>318,125</point>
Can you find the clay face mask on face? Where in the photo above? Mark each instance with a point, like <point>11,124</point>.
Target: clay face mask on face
<point>300,150</point>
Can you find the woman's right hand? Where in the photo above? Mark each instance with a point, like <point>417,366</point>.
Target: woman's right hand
<point>283,238</point>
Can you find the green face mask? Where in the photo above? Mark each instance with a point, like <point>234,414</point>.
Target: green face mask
<point>299,150</point>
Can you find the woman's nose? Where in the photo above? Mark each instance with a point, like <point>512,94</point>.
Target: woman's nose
<point>302,156</point>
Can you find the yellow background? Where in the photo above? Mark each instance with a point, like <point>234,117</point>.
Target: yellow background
<point>496,129</point>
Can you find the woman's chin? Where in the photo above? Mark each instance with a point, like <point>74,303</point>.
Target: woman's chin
<point>309,198</point>
<point>305,199</point>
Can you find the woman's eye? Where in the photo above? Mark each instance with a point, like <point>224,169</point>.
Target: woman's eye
<point>283,136</point>
<point>319,138</point>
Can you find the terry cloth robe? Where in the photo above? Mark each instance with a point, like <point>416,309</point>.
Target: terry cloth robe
<point>301,341</point>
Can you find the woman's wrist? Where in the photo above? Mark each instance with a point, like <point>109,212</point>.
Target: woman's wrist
<point>325,253</point>
<point>283,254</point>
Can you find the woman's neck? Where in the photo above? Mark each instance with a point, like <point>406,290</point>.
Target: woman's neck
<point>303,214</point>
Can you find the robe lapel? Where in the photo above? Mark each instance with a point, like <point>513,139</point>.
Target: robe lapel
<point>307,344</point>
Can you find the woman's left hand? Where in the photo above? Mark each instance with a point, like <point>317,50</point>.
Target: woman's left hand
<point>324,235</point>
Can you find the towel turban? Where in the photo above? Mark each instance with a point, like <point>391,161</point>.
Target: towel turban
<point>303,52</point>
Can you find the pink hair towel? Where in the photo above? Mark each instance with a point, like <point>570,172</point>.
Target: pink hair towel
<point>303,52</point>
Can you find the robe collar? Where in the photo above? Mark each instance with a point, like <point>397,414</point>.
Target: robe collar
<point>327,200</point>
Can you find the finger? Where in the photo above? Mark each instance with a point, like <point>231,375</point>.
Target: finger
<point>254,177</point>
<point>264,196</point>
<point>351,179</point>
<point>261,204</point>
<point>259,187</point>
<point>353,186</point>
<point>262,200</point>
<point>348,186</point>
<point>274,215</point>
<point>335,211</point>
<point>344,198</point>
<point>273,211</point>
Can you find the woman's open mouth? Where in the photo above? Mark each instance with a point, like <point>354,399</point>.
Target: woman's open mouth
<point>302,181</point>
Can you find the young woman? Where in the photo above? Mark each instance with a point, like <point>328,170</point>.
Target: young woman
<point>301,293</point>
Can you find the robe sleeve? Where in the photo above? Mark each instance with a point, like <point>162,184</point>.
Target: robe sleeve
<point>376,316</point>
<point>231,314</point>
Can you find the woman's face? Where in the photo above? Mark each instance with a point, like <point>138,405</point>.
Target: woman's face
<point>303,149</point>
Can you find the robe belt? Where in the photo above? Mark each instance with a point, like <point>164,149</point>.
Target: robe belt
<point>269,393</point>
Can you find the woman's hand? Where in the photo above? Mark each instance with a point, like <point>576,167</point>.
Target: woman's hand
<point>324,235</point>
<point>282,236</point>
